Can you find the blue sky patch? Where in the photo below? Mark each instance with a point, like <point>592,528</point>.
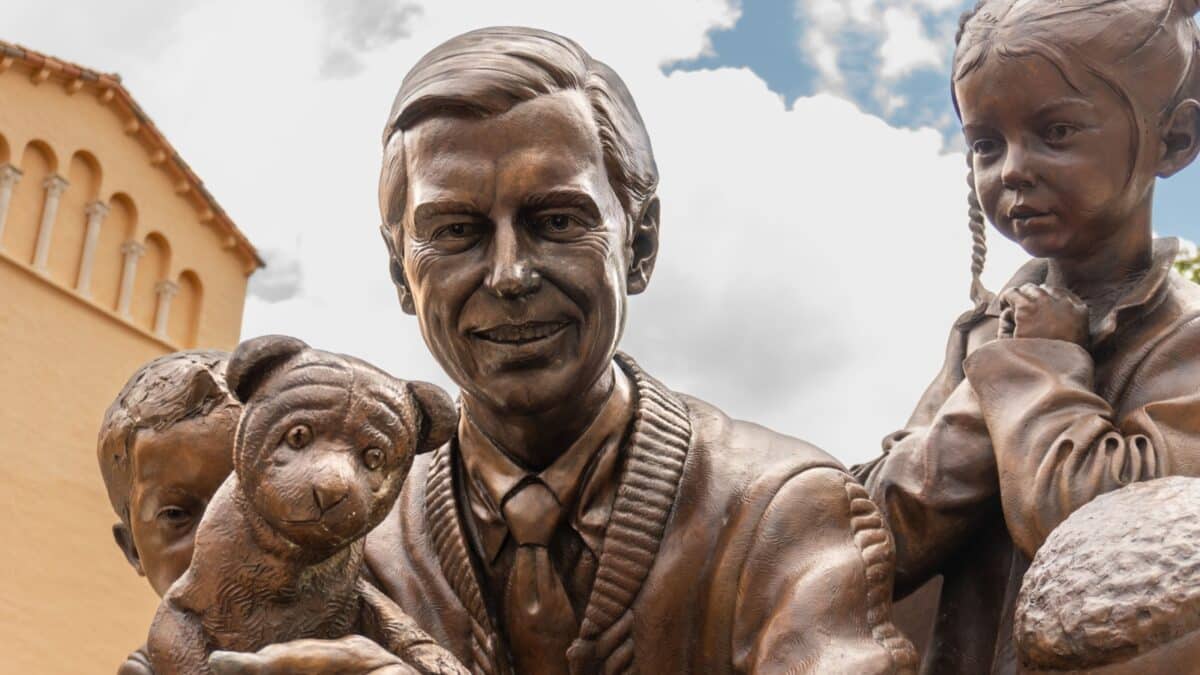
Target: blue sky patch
<point>769,39</point>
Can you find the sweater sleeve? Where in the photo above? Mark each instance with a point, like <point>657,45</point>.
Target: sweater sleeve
<point>1059,444</point>
<point>814,593</point>
<point>936,480</point>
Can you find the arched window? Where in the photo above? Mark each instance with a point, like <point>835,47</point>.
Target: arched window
<point>151,269</point>
<point>9,175</point>
<point>29,196</point>
<point>184,322</point>
<point>119,227</point>
<point>66,247</point>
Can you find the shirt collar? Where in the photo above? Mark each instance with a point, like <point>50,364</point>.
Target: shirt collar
<point>582,478</point>
<point>1140,295</point>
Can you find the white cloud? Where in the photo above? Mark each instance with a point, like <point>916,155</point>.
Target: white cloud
<point>355,28</point>
<point>906,47</point>
<point>937,6</point>
<point>824,55</point>
<point>813,257</point>
<point>905,44</point>
<point>281,278</point>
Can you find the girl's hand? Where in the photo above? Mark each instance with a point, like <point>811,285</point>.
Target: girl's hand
<point>1033,311</point>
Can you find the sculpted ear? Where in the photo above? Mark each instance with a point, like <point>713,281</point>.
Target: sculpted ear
<point>124,539</point>
<point>643,247</point>
<point>396,270</point>
<point>439,417</point>
<point>254,359</point>
<point>1181,138</point>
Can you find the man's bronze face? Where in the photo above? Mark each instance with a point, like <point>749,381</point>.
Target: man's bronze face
<point>514,248</point>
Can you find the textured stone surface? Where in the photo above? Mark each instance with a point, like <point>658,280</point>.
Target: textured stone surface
<point>1120,577</point>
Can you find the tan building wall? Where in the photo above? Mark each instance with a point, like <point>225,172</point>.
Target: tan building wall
<point>111,253</point>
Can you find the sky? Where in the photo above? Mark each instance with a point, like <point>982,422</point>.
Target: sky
<point>814,249</point>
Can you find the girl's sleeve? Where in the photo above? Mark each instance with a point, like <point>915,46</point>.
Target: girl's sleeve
<point>1058,444</point>
<point>936,480</point>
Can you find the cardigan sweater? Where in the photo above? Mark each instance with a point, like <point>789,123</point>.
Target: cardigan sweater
<point>730,549</point>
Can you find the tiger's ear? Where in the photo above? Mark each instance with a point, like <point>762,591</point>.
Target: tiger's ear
<point>254,359</point>
<point>439,417</point>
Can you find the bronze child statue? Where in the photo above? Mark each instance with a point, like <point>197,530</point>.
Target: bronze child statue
<point>323,446</point>
<point>165,446</point>
<point>1082,374</point>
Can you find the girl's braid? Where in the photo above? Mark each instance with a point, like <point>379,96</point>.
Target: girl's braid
<point>980,295</point>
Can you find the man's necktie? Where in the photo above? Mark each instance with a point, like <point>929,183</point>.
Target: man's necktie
<point>538,616</point>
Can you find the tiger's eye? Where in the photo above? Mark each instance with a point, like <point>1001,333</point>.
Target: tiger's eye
<point>299,436</point>
<point>373,458</point>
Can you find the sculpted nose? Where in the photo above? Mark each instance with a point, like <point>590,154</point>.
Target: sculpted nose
<point>511,274</point>
<point>1016,173</point>
<point>328,494</point>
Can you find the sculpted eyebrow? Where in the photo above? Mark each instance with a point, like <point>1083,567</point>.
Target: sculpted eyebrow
<point>563,199</point>
<point>1064,104</point>
<point>374,435</point>
<point>428,210</point>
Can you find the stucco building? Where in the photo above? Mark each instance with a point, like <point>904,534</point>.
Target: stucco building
<point>111,253</point>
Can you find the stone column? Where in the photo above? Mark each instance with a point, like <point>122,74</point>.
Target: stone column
<point>132,250</point>
<point>96,211</point>
<point>9,175</point>
<point>165,290</point>
<point>54,184</point>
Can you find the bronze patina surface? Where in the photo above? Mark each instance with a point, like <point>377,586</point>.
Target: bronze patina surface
<point>322,447</point>
<point>1083,374</point>
<point>585,518</point>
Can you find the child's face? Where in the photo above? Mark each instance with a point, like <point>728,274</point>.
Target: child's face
<point>1052,163</point>
<point>176,472</point>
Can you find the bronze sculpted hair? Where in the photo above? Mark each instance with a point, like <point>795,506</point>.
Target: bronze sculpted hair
<point>1081,36</point>
<point>161,393</point>
<point>488,71</point>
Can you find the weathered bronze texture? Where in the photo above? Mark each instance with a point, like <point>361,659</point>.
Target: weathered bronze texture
<point>1117,586</point>
<point>1083,374</point>
<point>658,535</point>
<point>165,446</point>
<point>322,448</point>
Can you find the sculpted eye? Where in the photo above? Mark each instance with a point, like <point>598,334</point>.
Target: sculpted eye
<point>558,225</point>
<point>558,222</point>
<point>174,516</point>
<point>456,237</point>
<point>984,147</point>
<point>373,458</point>
<point>461,230</point>
<point>299,436</point>
<point>1057,133</point>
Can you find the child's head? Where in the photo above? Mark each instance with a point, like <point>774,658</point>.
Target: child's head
<point>165,447</point>
<point>1071,109</point>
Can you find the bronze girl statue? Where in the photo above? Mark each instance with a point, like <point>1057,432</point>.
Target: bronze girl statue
<point>1083,374</point>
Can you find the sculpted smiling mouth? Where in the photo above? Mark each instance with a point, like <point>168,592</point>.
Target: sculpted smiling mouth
<point>521,332</point>
<point>1025,213</point>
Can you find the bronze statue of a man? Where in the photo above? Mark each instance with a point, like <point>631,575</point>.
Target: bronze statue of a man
<point>585,518</point>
